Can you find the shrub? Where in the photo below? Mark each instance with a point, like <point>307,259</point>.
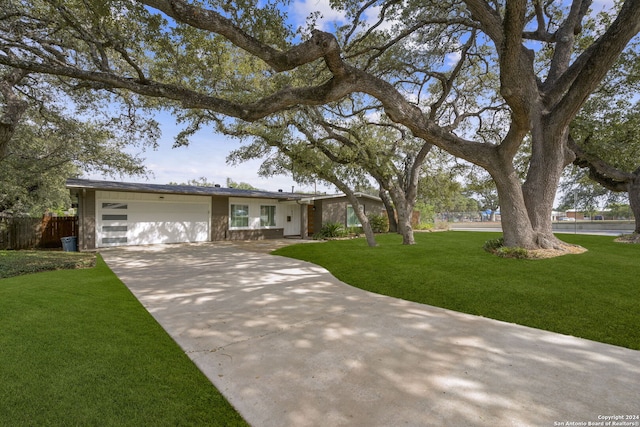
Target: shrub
<point>330,230</point>
<point>354,231</point>
<point>505,252</point>
<point>493,245</point>
<point>379,223</point>
<point>629,238</point>
<point>16,263</point>
<point>423,226</point>
<point>427,212</point>
<point>496,246</point>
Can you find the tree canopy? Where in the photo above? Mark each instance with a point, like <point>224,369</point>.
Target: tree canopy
<point>605,136</point>
<point>48,134</point>
<point>345,151</point>
<point>473,77</point>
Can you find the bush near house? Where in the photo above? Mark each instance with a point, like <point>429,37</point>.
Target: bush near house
<point>379,223</point>
<point>330,230</point>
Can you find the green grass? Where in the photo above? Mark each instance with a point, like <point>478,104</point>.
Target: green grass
<point>16,263</point>
<point>595,295</point>
<point>77,348</point>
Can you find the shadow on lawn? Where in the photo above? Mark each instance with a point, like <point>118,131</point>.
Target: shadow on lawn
<point>289,345</point>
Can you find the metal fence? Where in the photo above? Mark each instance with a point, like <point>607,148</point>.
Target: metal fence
<point>30,233</point>
<point>473,216</point>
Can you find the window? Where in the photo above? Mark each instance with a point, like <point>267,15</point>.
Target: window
<point>110,240</point>
<point>109,228</point>
<point>239,216</point>
<point>113,217</point>
<point>352,218</point>
<point>267,216</point>
<point>114,206</point>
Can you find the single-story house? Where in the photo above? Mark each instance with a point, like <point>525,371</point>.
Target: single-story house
<point>323,209</point>
<point>120,213</point>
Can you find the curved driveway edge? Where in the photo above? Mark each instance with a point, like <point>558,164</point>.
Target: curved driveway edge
<point>290,345</point>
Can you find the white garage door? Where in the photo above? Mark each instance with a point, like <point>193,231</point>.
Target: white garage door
<point>139,222</point>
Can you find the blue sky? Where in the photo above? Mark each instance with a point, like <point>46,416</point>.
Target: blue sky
<point>205,157</point>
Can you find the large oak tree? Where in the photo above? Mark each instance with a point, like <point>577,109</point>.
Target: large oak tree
<point>344,153</point>
<point>48,135</point>
<point>475,78</point>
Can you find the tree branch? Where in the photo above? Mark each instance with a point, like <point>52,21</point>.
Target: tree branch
<point>599,170</point>
<point>364,7</point>
<point>447,83</point>
<point>489,19</point>
<point>565,39</point>
<point>320,45</point>
<point>13,109</point>
<point>569,92</point>
<point>332,90</point>
<point>541,33</point>
<point>346,80</point>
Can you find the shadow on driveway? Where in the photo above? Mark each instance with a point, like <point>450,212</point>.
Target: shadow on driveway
<point>290,345</point>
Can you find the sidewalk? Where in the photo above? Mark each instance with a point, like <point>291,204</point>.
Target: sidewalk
<point>290,345</point>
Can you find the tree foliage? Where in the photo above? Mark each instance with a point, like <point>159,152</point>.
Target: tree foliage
<point>311,149</point>
<point>443,185</point>
<point>606,138</point>
<point>54,136</point>
<point>476,78</point>
<point>347,151</point>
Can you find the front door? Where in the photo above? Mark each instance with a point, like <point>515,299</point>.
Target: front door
<point>311,217</point>
<point>292,220</point>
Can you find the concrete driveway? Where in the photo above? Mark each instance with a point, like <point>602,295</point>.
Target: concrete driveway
<point>290,345</point>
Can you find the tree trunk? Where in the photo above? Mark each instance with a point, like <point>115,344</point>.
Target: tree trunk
<point>516,226</point>
<point>404,208</point>
<point>364,221</point>
<point>404,225</point>
<point>366,228</point>
<point>634,199</point>
<point>548,159</point>
<point>391,213</point>
<point>13,110</point>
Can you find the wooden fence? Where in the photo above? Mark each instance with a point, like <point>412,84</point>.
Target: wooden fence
<point>30,233</point>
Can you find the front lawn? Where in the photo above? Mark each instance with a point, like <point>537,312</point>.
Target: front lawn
<point>77,348</point>
<point>595,295</point>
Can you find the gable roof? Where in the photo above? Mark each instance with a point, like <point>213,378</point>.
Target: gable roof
<point>178,189</point>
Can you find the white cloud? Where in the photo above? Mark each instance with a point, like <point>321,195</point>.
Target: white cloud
<point>329,17</point>
<point>453,58</point>
<point>372,15</point>
<point>602,5</point>
<point>302,9</point>
<point>205,157</point>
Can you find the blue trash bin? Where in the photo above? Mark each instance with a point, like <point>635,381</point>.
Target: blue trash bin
<point>70,244</point>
